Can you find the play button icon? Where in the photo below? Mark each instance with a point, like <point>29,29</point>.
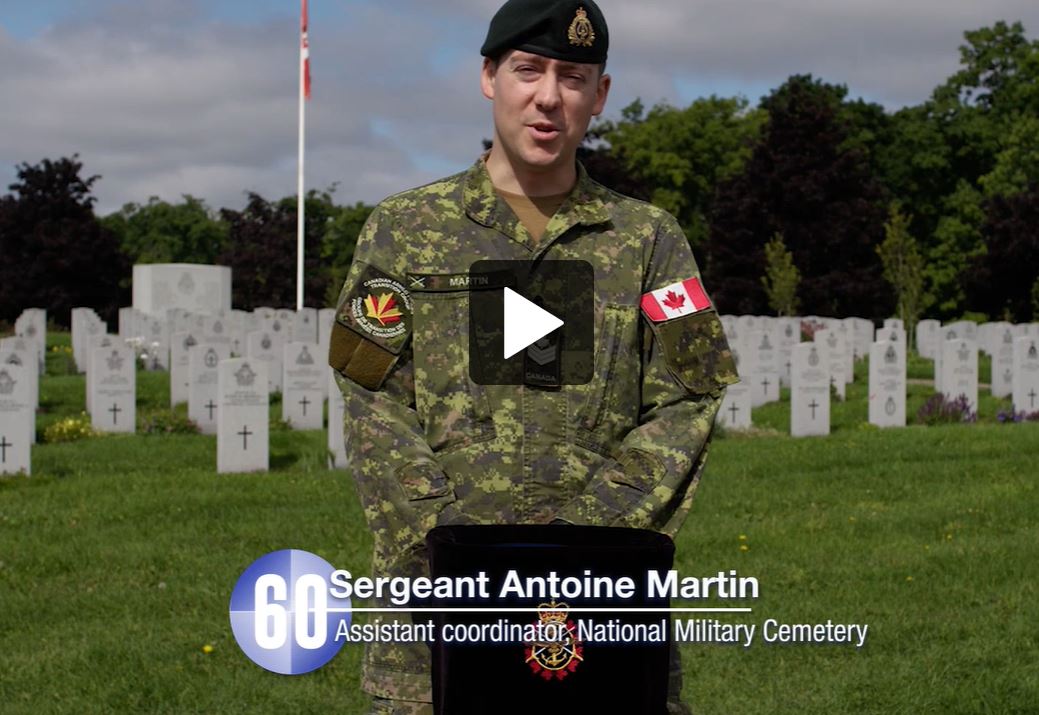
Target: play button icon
<point>516,336</point>
<point>525,323</point>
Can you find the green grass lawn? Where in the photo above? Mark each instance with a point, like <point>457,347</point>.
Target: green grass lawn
<point>118,556</point>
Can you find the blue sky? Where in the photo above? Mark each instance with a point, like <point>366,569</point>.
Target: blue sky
<point>167,97</point>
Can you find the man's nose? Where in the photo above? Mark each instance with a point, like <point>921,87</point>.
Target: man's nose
<point>547,96</point>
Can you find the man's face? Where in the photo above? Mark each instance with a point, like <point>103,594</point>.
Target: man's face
<point>542,106</point>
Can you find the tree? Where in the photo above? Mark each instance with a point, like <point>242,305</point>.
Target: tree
<point>1001,280</point>
<point>903,267</point>
<point>808,182</point>
<point>338,244</point>
<point>261,250</point>
<point>160,232</point>
<point>56,254</point>
<point>781,277</point>
<point>680,155</point>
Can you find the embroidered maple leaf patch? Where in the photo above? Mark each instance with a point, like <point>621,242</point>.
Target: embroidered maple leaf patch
<point>384,309</point>
<point>673,300</point>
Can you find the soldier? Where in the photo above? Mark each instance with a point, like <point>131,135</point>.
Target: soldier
<point>426,445</point>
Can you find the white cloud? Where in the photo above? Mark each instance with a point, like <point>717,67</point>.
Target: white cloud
<point>161,101</point>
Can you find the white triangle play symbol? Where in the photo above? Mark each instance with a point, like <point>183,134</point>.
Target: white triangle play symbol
<point>524,322</point>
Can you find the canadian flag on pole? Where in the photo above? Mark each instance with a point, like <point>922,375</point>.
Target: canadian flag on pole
<point>675,300</point>
<point>305,52</point>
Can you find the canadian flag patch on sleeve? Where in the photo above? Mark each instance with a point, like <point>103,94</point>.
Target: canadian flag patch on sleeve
<point>675,300</point>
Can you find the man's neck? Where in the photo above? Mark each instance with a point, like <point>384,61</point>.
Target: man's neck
<point>550,182</point>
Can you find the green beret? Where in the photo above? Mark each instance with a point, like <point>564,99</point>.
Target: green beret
<point>568,30</point>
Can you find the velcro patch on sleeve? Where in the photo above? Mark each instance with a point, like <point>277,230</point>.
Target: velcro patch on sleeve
<point>372,326</point>
<point>675,300</point>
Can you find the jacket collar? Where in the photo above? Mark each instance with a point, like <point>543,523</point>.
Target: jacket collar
<point>586,205</point>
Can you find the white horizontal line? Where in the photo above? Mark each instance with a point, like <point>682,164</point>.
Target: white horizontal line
<point>534,609</point>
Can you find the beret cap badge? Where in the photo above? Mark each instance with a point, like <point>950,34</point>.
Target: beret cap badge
<point>581,32</point>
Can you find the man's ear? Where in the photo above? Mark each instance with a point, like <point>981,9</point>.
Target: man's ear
<point>487,75</point>
<point>601,92</point>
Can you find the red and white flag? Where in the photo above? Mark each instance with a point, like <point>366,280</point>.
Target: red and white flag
<point>305,52</point>
<point>675,300</point>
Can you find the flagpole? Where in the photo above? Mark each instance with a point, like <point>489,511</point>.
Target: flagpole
<point>303,49</point>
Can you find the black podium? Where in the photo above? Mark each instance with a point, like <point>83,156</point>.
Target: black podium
<point>564,672</point>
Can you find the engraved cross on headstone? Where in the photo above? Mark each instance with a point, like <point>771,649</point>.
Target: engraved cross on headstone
<point>210,406</point>
<point>1031,398</point>
<point>733,409</point>
<point>765,383</point>
<point>304,402</point>
<point>115,410</point>
<point>4,444</point>
<point>245,436</point>
<point>813,404</point>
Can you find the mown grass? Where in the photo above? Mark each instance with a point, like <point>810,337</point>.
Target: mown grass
<point>118,556</point>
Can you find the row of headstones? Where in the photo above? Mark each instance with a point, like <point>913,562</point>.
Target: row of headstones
<point>813,371</point>
<point>155,336</point>
<point>230,397</point>
<point>21,364</point>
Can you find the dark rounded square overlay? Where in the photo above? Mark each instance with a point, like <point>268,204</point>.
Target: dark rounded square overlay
<point>566,289</point>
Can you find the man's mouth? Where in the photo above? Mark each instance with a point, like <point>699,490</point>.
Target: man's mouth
<point>543,131</point>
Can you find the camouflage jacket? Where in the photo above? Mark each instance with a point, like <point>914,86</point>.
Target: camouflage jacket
<point>425,443</point>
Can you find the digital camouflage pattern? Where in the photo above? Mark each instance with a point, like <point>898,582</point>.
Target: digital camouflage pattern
<point>430,446</point>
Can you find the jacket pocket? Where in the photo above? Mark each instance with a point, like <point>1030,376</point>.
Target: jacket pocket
<point>453,409</point>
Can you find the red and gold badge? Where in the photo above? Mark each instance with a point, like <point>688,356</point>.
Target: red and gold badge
<point>560,652</point>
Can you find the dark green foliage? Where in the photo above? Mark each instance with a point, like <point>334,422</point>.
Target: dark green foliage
<point>56,254</point>
<point>261,251</point>
<point>809,181</point>
<point>160,232</point>
<point>1001,282</point>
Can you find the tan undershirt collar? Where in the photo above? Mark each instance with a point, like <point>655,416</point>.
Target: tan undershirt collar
<point>534,212</point>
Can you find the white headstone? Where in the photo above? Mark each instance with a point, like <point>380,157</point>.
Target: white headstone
<point>303,386</point>
<point>894,323</point>
<point>960,370</point>
<point>22,351</point>
<point>927,332</point>
<point>892,335</point>
<point>789,330</point>
<point>304,326</point>
<point>734,412</point>
<point>242,421</point>
<point>887,385</point>
<point>32,325</point>
<point>159,287</point>
<point>95,341</point>
<point>203,398</point>
<point>114,389</point>
<point>180,379</point>
<point>809,391</point>
<point>859,333</point>
<point>336,415</point>
<point>838,354</point>
<point>157,344</point>
<point>16,420</point>
<point>763,349</point>
<point>266,347</point>
<point>1002,352</point>
<point>1026,375</point>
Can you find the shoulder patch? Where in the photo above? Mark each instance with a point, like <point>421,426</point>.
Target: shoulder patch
<point>378,307</point>
<point>372,326</point>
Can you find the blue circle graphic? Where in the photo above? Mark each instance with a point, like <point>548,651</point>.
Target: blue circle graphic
<point>284,617</point>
